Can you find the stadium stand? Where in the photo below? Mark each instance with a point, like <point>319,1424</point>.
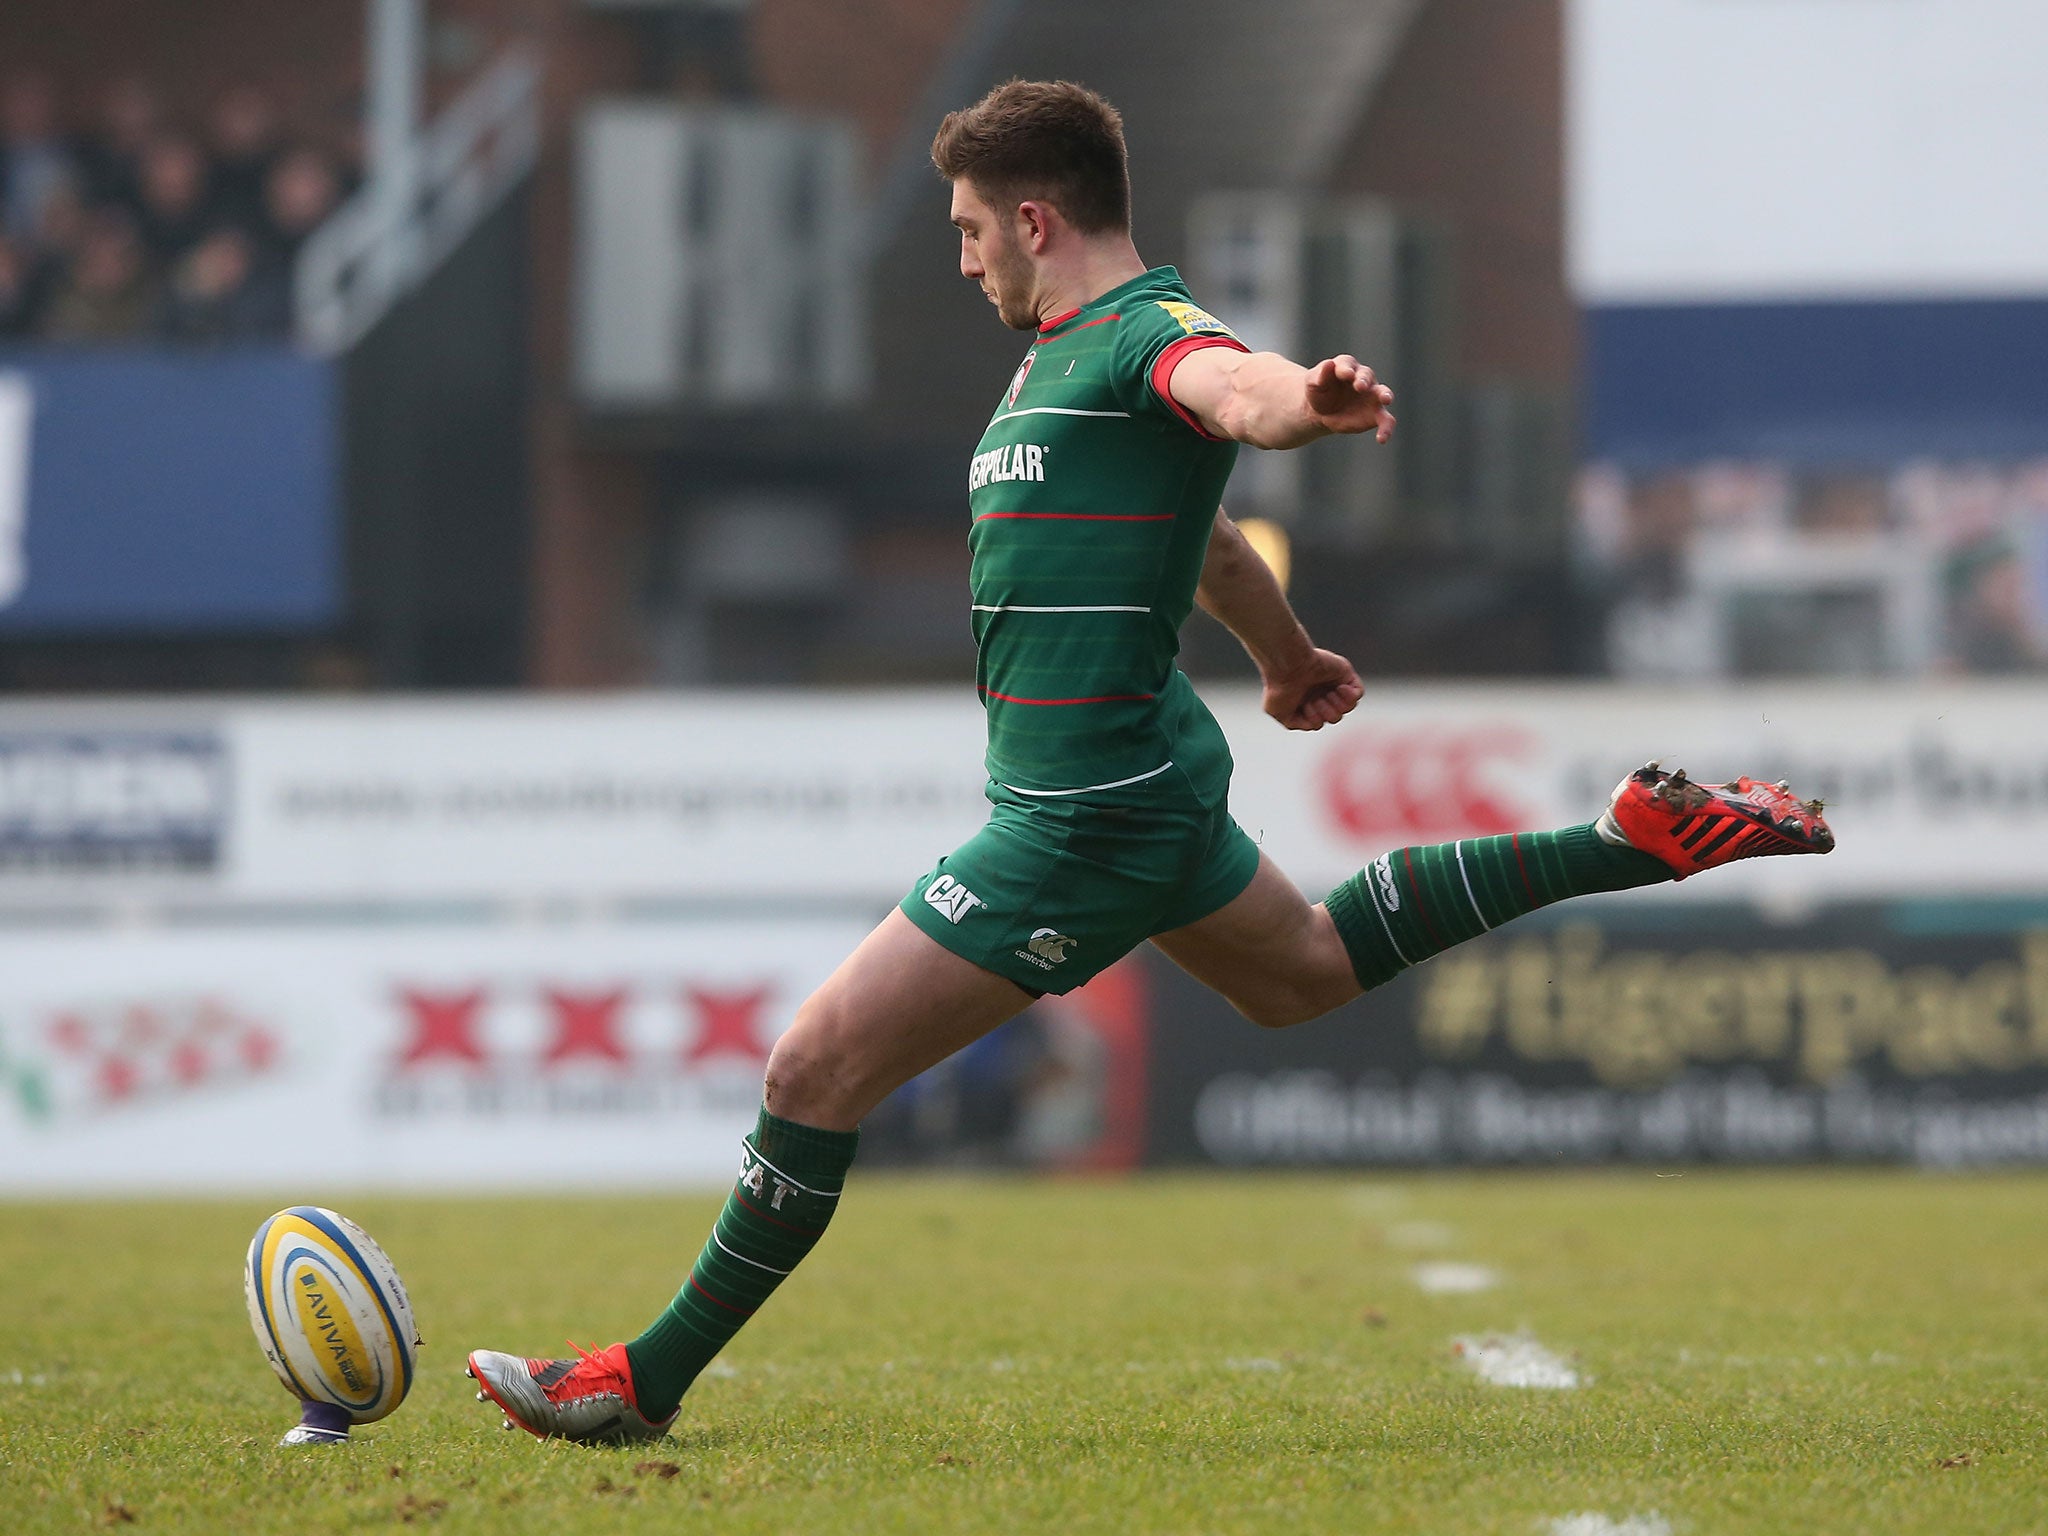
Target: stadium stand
<point>124,222</point>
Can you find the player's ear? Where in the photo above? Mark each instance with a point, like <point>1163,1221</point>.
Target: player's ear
<point>1035,225</point>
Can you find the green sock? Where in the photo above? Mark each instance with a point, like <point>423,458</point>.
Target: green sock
<point>790,1179</point>
<point>1416,902</point>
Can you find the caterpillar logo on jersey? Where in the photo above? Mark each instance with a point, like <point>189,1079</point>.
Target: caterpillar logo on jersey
<point>1012,461</point>
<point>949,896</point>
<point>1196,322</point>
<point>1046,948</point>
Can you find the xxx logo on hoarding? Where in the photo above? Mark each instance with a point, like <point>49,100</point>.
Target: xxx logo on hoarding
<point>581,1028</point>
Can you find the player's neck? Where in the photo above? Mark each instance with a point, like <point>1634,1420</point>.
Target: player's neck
<point>1090,272</point>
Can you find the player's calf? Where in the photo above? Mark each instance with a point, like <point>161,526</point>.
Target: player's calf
<point>1417,902</point>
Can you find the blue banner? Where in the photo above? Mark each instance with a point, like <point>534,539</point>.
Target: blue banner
<point>1817,383</point>
<point>148,492</point>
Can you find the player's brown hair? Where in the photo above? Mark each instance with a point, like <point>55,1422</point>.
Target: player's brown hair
<point>1042,140</point>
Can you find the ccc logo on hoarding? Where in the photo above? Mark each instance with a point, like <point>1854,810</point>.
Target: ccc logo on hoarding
<point>1428,783</point>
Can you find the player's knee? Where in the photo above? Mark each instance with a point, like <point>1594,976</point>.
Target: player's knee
<point>790,1075</point>
<point>807,1076</point>
<point>797,1074</point>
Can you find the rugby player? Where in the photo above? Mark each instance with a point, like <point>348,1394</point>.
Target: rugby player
<point>1095,527</point>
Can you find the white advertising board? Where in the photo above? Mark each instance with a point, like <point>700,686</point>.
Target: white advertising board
<point>1801,149</point>
<point>302,1060</point>
<point>795,795</point>
<point>841,800</point>
<point>1931,791</point>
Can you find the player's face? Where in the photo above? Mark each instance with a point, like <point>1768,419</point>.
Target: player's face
<point>991,258</point>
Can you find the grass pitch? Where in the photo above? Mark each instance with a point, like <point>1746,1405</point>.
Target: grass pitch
<point>1766,1353</point>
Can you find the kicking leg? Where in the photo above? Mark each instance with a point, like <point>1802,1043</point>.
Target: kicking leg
<point>899,1004</point>
<point>1281,961</point>
<point>1278,959</point>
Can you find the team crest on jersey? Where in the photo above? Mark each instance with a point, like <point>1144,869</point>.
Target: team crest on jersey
<point>1023,372</point>
<point>1196,322</point>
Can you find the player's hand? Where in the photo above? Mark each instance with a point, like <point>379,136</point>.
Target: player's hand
<point>1343,396</point>
<point>1319,691</point>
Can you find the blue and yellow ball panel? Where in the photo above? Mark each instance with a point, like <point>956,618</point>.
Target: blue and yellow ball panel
<point>330,1313</point>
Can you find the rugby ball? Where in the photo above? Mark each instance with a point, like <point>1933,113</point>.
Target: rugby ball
<point>331,1315</point>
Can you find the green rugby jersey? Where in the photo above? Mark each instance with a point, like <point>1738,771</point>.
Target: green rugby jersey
<point>1092,494</point>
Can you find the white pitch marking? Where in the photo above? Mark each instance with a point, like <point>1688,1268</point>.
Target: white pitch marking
<point>1256,1363</point>
<point>1447,1278</point>
<point>1516,1360</point>
<point>1589,1524</point>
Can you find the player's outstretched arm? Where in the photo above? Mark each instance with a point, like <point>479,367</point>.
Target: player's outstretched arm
<point>1262,399</point>
<point>1305,688</point>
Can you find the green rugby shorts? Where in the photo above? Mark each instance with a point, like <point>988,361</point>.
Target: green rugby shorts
<point>1052,892</point>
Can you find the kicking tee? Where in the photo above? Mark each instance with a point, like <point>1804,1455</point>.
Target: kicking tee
<point>1092,495</point>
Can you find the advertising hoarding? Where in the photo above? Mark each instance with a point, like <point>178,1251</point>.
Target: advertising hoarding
<point>423,1057</point>
<point>1933,789</point>
<point>460,1056</point>
<point>115,801</point>
<point>1591,1035</point>
<point>476,942</point>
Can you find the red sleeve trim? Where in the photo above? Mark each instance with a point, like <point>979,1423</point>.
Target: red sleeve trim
<point>1162,375</point>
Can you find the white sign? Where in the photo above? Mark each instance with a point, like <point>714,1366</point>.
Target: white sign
<point>302,1062</point>
<point>1931,791</point>
<point>1793,149</point>
<point>843,799</point>
<point>805,797</point>
<point>17,419</point>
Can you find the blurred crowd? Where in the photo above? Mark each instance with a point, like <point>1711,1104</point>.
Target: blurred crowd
<point>1972,538</point>
<point>119,222</point>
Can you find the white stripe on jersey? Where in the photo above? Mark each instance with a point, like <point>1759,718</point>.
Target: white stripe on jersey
<point>1042,794</point>
<point>1057,410</point>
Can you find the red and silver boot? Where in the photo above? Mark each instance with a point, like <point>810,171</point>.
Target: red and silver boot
<point>589,1399</point>
<point>1692,827</point>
